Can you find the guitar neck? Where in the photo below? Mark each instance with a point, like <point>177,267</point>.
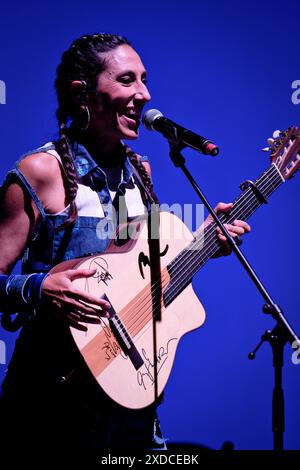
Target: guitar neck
<point>205,245</point>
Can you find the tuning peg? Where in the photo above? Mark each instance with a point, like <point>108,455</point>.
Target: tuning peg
<point>271,143</point>
<point>274,141</point>
<point>277,134</point>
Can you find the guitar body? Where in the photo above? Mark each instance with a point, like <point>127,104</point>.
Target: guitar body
<point>131,354</point>
<point>136,380</point>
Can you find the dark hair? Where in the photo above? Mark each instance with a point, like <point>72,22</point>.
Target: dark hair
<point>83,62</point>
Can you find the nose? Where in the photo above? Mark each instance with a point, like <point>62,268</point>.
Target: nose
<point>142,93</point>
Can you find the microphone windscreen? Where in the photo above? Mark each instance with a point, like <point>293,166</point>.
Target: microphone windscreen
<point>149,117</point>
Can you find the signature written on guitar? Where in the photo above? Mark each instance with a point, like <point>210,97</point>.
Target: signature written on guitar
<point>110,346</point>
<point>147,378</point>
<point>102,274</point>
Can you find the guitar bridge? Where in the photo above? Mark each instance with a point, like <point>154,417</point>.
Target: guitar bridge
<point>123,337</point>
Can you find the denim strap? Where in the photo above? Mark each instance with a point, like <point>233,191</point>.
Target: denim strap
<point>16,175</point>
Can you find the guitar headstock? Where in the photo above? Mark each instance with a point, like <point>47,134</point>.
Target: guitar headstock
<point>285,151</point>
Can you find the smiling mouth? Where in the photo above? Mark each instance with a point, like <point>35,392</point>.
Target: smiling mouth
<point>132,118</point>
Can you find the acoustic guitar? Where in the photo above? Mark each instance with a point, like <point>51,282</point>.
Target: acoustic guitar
<point>131,354</point>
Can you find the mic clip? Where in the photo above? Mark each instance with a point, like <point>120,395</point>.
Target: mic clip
<point>175,149</point>
<point>170,132</point>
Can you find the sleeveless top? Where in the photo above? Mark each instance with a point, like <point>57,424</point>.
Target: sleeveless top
<point>47,247</point>
<point>45,353</point>
<point>94,226</point>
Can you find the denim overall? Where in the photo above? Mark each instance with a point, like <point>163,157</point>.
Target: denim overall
<point>47,380</point>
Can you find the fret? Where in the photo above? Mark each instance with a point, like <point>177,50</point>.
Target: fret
<point>191,259</point>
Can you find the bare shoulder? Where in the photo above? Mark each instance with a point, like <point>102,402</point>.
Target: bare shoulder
<point>40,168</point>
<point>18,213</point>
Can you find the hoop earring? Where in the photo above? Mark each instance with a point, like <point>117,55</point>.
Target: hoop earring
<point>84,128</point>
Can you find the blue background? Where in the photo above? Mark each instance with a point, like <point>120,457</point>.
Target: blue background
<point>223,69</point>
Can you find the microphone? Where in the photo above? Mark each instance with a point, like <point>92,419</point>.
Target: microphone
<point>153,119</point>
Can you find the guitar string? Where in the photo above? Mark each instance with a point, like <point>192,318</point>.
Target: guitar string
<point>147,297</point>
<point>210,230</point>
<point>237,212</point>
<point>145,315</point>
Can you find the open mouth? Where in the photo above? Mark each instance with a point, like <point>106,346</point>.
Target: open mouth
<point>132,117</point>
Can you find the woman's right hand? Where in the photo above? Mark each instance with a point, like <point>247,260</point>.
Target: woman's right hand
<point>69,302</point>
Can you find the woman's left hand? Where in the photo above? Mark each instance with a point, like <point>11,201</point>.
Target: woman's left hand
<point>236,229</point>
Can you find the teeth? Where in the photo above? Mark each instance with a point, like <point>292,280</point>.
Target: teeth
<point>132,114</point>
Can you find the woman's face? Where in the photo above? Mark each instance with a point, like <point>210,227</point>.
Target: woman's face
<point>120,96</point>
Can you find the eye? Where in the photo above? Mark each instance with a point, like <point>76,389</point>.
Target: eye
<point>126,79</point>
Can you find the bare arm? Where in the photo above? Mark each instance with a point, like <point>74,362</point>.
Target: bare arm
<point>18,212</point>
<point>18,217</point>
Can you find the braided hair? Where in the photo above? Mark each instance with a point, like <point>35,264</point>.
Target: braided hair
<point>144,175</point>
<point>84,61</point>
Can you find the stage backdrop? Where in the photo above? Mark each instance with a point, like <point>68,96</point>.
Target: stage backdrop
<point>225,69</point>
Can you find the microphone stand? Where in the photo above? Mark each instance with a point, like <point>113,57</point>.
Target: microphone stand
<point>281,333</point>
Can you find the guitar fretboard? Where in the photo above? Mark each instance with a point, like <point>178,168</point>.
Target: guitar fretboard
<point>191,259</point>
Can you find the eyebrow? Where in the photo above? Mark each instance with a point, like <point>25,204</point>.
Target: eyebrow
<point>130,72</point>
